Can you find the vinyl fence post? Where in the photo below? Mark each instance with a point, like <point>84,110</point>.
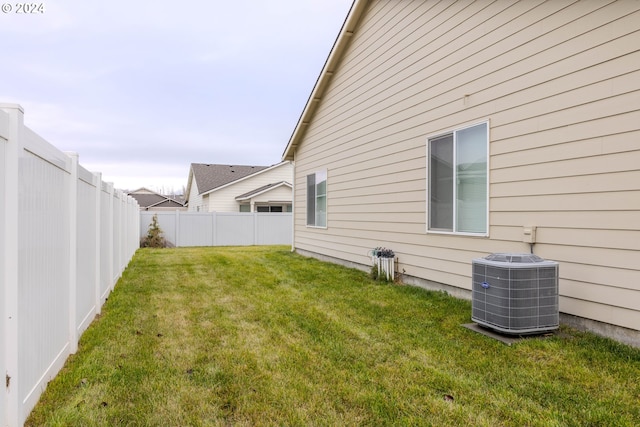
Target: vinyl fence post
<point>177,242</point>
<point>214,228</point>
<point>255,228</point>
<point>73,252</point>
<point>10,266</point>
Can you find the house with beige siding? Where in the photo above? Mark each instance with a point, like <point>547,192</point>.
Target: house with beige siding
<point>239,188</point>
<point>450,130</point>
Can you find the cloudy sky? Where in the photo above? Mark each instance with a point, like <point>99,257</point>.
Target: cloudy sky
<point>141,89</point>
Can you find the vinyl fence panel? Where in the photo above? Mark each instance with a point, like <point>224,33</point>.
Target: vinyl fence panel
<point>194,228</point>
<point>87,248</point>
<point>273,229</point>
<point>43,228</point>
<point>235,229</point>
<point>106,239</point>
<point>117,223</point>
<point>166,221</point>
<point>4,137</point>
<point>57,255</point>
<point>185,229</point>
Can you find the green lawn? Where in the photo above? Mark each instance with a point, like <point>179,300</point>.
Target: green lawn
<point>261,336</point>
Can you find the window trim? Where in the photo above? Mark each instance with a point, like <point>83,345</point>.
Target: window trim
<point>452,131</point>
<point>326,178</point>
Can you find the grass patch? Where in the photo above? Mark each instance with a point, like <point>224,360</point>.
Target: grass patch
<point>262,336</point>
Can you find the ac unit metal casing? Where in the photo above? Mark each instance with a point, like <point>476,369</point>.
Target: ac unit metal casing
<point>515,293</point>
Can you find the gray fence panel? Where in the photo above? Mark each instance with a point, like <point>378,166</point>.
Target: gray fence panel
<point>273,229</point>
<point>105,240</point>
<point>43,270</point>
<point>221,228</point>
<point>195,229</point>
<point>86,254</point>
<point>166,222</point>
<point>235,229</point>
<point>4,136</point>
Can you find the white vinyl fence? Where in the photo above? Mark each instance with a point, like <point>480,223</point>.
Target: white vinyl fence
<point>65,238</point>
<point>221,228</point>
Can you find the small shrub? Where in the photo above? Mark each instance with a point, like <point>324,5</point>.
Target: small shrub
<point>374,272</point>
<point>154,237</point>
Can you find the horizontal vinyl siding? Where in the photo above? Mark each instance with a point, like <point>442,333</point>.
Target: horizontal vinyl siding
<point>559,82</point>
<point>195,199</point>
<point>280,194</point>
<point>224,199</point>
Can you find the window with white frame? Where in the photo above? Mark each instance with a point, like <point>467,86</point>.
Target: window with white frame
<point>457,181</point>
<point>317,199</point>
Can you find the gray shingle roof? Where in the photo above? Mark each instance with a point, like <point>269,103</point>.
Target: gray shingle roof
<point>209,177</point>
<point>147,198</point>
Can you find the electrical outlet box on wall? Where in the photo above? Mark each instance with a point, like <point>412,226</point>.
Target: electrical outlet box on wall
<point>529,234</point>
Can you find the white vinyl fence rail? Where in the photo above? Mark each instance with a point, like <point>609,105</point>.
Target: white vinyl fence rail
<point>65,238</point>
<point>221,228</point>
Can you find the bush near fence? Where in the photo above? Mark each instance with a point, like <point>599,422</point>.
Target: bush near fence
<point>65,238</point>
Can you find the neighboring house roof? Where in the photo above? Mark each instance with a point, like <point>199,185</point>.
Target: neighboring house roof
<point>147,199</point>
<point>322,83</point>
<point>209,177</point>
<point>262,190</point>
<point>212,177</point>
<point>180,198</point>
<point>167,203</point>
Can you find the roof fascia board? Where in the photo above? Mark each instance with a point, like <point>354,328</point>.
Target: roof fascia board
<point>189,180</point>
<point>266,190</point>
<point>157,203</point>
<point>330,65</point>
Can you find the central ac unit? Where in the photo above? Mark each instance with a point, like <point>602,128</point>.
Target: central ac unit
<point>515,293</point>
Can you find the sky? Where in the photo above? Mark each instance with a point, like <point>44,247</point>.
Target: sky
<point>141,89</point>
